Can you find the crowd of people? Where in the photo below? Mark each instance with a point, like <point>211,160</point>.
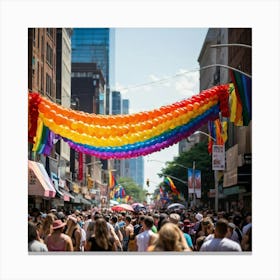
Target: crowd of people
<point>155,231</point>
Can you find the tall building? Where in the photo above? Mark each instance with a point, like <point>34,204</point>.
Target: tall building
<point>239,144</point>
<point>131,168</point>
<point>116,103</point>
<point>92,53</point>
<point>63,89</point>
<point>42,61</point>
<point>96,45</point>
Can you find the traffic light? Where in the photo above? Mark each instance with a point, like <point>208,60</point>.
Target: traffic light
<point>148,182</point>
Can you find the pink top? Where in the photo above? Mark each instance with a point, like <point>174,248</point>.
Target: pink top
<point>56,245</point>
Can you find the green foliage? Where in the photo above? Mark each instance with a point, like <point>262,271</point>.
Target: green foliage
<point>132,189</point>
<point>203,162</point>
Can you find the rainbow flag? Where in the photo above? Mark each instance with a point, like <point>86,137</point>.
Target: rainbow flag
<point>112,180</point>
<point>243,92</point>
<point>170,183</point>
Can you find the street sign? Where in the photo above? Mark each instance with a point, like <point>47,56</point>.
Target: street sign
<point>218,157</point>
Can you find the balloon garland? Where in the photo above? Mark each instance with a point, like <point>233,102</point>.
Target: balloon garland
<point>122,136</point>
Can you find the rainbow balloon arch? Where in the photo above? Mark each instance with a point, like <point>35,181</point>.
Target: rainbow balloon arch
<point>122,136</point>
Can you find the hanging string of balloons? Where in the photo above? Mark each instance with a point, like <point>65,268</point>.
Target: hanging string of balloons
<point>122,136</point>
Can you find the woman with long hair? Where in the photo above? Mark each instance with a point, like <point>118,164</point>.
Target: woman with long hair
<point>74,232</point>
<point>170,238</point>
<point>47,225</point>
<point>101,240</point>
<point>57,240</point>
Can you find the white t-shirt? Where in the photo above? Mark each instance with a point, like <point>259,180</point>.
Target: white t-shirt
<point>143,239</point>
<point>221,245</point>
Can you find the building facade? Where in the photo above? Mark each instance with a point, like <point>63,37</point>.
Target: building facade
<point>63,88</point>
<point>234,193</point>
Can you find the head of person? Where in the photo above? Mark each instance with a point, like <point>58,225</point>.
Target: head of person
<point>49,219</point>
<point>237,220</point>
<point>32,232</point>
<point>101,228</point>
<point>162,217</point>
<point>58,226</point>
<point>148,222</point>
<point>199,241</point>
<point>114,219</point>
<point>221,228</point>
<point>207,226</point>
<point>169,238</point>
<point>39,227</point>
<point>128,219</point>
<point>156,218</point>
<point>231,227</point>
<point>174,218</point>
<point>198,217</point>
<point>71,221</point>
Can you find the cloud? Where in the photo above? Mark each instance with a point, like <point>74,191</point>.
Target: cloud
<point>160,91</point>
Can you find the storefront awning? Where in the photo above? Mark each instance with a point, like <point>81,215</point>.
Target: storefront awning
<point>85,201</point>
<point>39,182</point>
<point>59,191</point>
<point>66,195</point>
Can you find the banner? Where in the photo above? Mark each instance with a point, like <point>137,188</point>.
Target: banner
<point>194,182</point>
<point>80,173</point>
<point>218,157</point>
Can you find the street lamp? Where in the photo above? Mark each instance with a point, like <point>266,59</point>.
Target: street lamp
<point>215,172</point>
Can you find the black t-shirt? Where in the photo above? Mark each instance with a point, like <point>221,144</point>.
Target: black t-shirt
<point>95,247</point>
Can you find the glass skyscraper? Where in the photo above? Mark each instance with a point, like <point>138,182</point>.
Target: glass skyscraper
<point>95,45</point>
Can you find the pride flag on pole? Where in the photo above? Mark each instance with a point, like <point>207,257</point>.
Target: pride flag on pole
<point>112,180</point>
<point>170,183</point>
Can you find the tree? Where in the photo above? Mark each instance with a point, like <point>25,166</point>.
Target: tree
<point>203,162</point>
<point>132,189</point>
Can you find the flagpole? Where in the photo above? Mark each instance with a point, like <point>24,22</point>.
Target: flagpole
<point>193,184</point>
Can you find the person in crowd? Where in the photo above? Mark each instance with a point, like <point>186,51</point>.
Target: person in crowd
<point>147,237</point>
<point>207,229</point>
<point>129,232</point>
<point>237,222</point>
<point>57,240</point>
<point>87,221</point>
<point>248,223</point>
<point>114,222</point>
<point>34,243</point>
<point>80,222</point>
<point>156,220</point>
<point>113,233</point>
<point>198,243</point>
<point>219,242</point>
<point>101,240</point>
<point>175,219</point>
<point>39,227</point>
<point>246,243</point>
<point>170,238</point>
<point>90,227</point>
<point>47,225</point>
<point>74,232</point>
<point>232,234</point>
<point>197,226</point>
<point>162,216</point>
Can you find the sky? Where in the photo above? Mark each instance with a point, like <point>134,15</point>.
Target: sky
<point>145,55</point>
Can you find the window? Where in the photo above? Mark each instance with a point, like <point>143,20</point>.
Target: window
<point>48,85</point>
<point>49,55</point>
<point>34,36</point>
<point>42,78</point>
<point>50,32</point>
